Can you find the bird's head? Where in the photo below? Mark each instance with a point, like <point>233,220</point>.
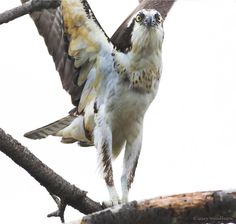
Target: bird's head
<point>150,19</point>
<point>147,29</point>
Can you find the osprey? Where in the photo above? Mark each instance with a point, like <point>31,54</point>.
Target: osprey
<point>112,82</point>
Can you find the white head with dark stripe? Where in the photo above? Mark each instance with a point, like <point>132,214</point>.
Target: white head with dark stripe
<point>147,30</point>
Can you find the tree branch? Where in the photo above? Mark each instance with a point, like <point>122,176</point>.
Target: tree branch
<point>54,183</point>
<point>28,7</point>
<point>194,208</point>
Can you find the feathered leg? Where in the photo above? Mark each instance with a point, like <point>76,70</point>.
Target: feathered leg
<point>103,143</point>
<point>132,152</point>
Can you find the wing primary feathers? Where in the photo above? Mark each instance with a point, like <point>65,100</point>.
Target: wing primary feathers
<point>91,15</point>
<point>49,24</point>
<point>50,129</point>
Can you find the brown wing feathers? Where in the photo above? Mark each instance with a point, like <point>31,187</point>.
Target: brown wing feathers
<point>50,129</point>
<point>50,25</point>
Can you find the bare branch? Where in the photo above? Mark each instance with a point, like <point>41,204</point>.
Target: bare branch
<point>28,7</point>
<point>54,183</point>
<point>193,208</point>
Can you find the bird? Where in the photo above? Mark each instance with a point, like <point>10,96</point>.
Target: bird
<point>112,82</point>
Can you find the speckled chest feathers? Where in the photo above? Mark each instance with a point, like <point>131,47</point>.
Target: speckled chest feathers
<point>144,79</point>
<point>141,65</point>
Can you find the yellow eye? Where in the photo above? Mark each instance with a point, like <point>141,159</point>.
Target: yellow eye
<point>139,18</point>
<point>158,18</point>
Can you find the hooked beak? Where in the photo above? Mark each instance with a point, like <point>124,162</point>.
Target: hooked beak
<point>149,21</point>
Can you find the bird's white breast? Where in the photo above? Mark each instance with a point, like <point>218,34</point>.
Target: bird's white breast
<point>130,83</point>
<point>125,108</point>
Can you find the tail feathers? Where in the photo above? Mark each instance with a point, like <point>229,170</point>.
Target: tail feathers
<point>50,129</point>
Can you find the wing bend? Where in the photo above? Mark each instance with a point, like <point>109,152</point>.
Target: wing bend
<point>73,63</point>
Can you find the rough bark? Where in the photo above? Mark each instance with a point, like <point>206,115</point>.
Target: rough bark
<point>54,183</point>
<point>194,208</point>
<point>26,8</point>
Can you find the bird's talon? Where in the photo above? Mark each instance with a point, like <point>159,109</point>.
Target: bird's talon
<point>111,203</point>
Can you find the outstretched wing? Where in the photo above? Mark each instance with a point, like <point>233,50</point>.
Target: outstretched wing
<point>83,32</point>
<point>50,25</point>
<point>72,34</point>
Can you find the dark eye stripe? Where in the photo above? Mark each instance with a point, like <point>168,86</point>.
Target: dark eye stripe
<point>142,15</point>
